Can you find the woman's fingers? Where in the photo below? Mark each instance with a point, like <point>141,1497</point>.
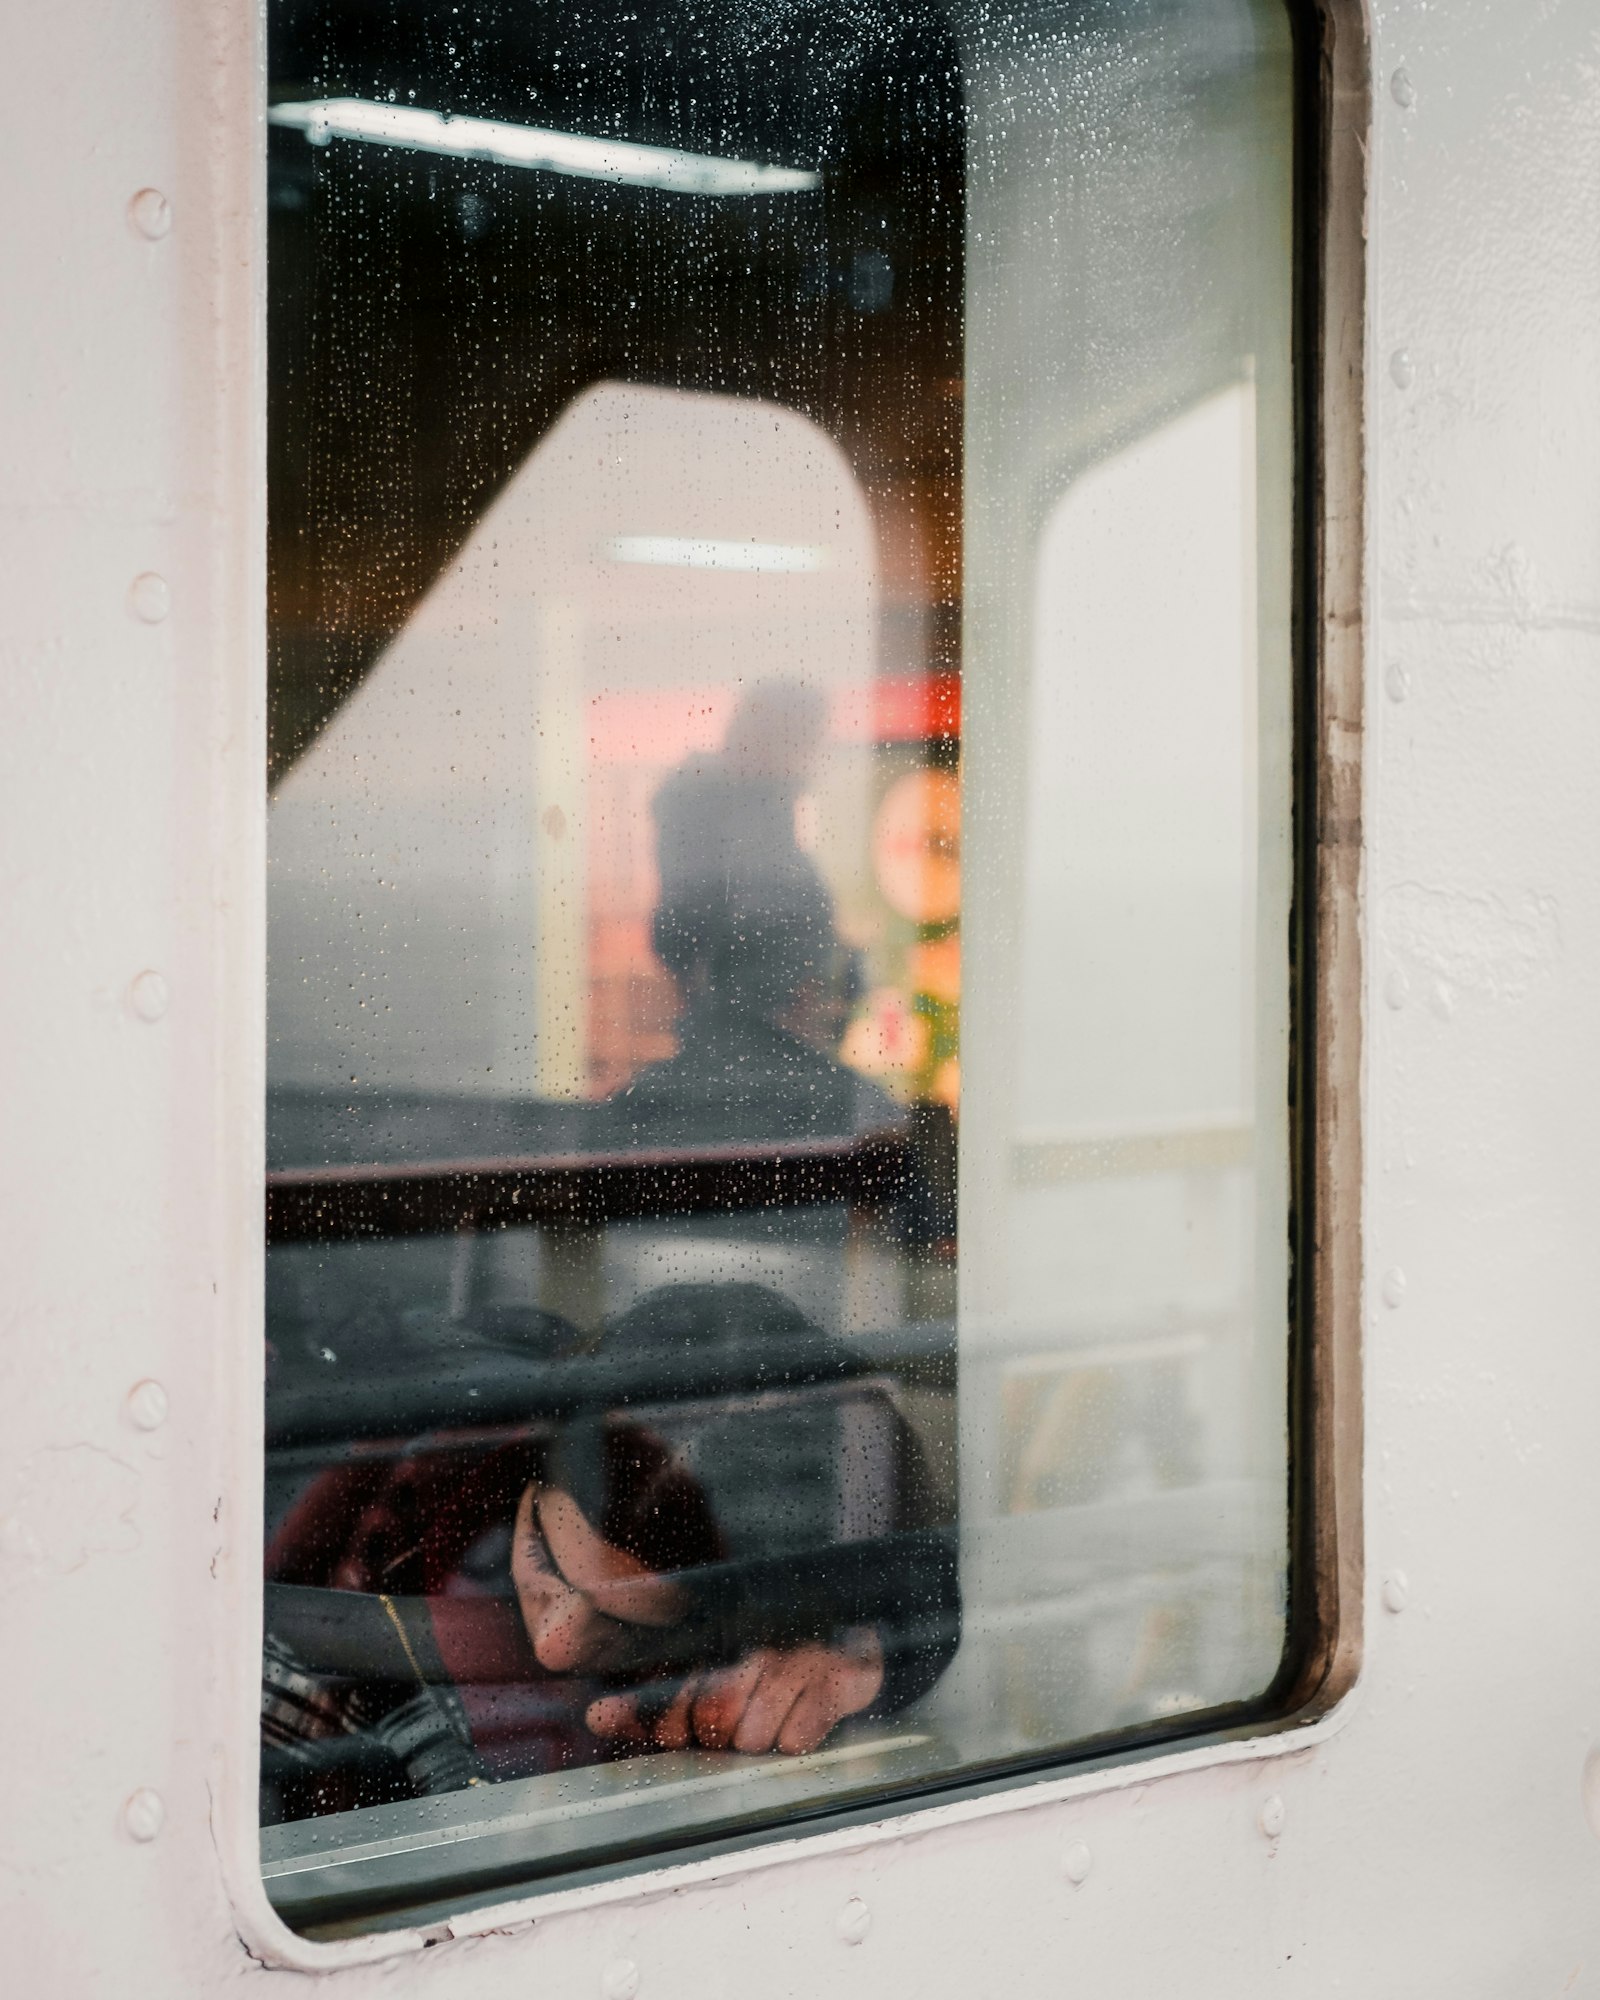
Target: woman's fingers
<point>672,1730</point>
<point>782,1681</point>
<point>811,1719</point>
<point>804,1694</point>
<point>848,1681</point>
<point>633,1718</point>
<point>787,1700</point>
<point>522,1540</point>
<point>774,1699</point>
<point>616,1717</point>
<point>723,1697</point>
<point>560,1623</point>
<point>740,1707</point>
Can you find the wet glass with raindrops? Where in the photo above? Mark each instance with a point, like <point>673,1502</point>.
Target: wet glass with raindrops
<point>781,557</point>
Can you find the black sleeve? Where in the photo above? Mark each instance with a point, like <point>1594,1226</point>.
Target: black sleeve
<point>922,1641</point>
<point>904,1584</point>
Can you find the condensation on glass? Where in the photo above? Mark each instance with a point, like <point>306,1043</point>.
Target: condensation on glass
<point>781,550</point>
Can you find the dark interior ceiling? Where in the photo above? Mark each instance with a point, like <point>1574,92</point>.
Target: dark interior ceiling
<point>430,316</point>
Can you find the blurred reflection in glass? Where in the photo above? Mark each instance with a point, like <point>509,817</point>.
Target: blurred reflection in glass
<point>780,869</point>
<point>746,926</point>
<point>731,1539</point>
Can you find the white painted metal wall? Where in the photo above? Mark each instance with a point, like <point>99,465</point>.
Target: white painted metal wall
<point>1430,1836</point>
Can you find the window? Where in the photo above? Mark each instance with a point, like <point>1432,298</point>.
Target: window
<point>782,864</point>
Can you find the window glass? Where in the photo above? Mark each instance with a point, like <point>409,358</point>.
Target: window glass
<point>781,864</point>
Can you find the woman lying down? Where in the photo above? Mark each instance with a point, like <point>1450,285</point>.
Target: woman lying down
<point>738,1573</point>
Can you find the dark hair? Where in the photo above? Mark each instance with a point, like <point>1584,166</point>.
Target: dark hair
<point>750,948</point>
<point>651,1505</point>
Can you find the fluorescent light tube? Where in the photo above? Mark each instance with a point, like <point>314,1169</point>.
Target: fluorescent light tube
<point>697,552</point>
<point>402,125</point>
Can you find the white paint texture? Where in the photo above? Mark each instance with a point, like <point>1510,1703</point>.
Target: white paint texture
<point>1434,1837</point>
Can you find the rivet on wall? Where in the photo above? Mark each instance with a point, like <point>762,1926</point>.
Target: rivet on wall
<point>147,1406</point>
<point>144,1815</point>
<point>1591,1791</point>
<point>148,996</point>
<point>149,599</point>
<point>150,213</point>
<point>620,1979</point>
<point>855,1920</point>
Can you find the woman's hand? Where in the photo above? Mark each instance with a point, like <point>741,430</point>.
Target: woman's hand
<point>582,1600</point>
<point>788,1699</point>
<point>580,1596</point>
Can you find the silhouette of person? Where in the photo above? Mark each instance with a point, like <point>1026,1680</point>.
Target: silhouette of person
<point>747,926</point>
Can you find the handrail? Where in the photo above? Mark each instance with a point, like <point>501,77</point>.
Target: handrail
<point>583,1190</point>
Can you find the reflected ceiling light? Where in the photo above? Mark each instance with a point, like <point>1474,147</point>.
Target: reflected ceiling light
<point>697,552</point>
<point>402,125</point>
